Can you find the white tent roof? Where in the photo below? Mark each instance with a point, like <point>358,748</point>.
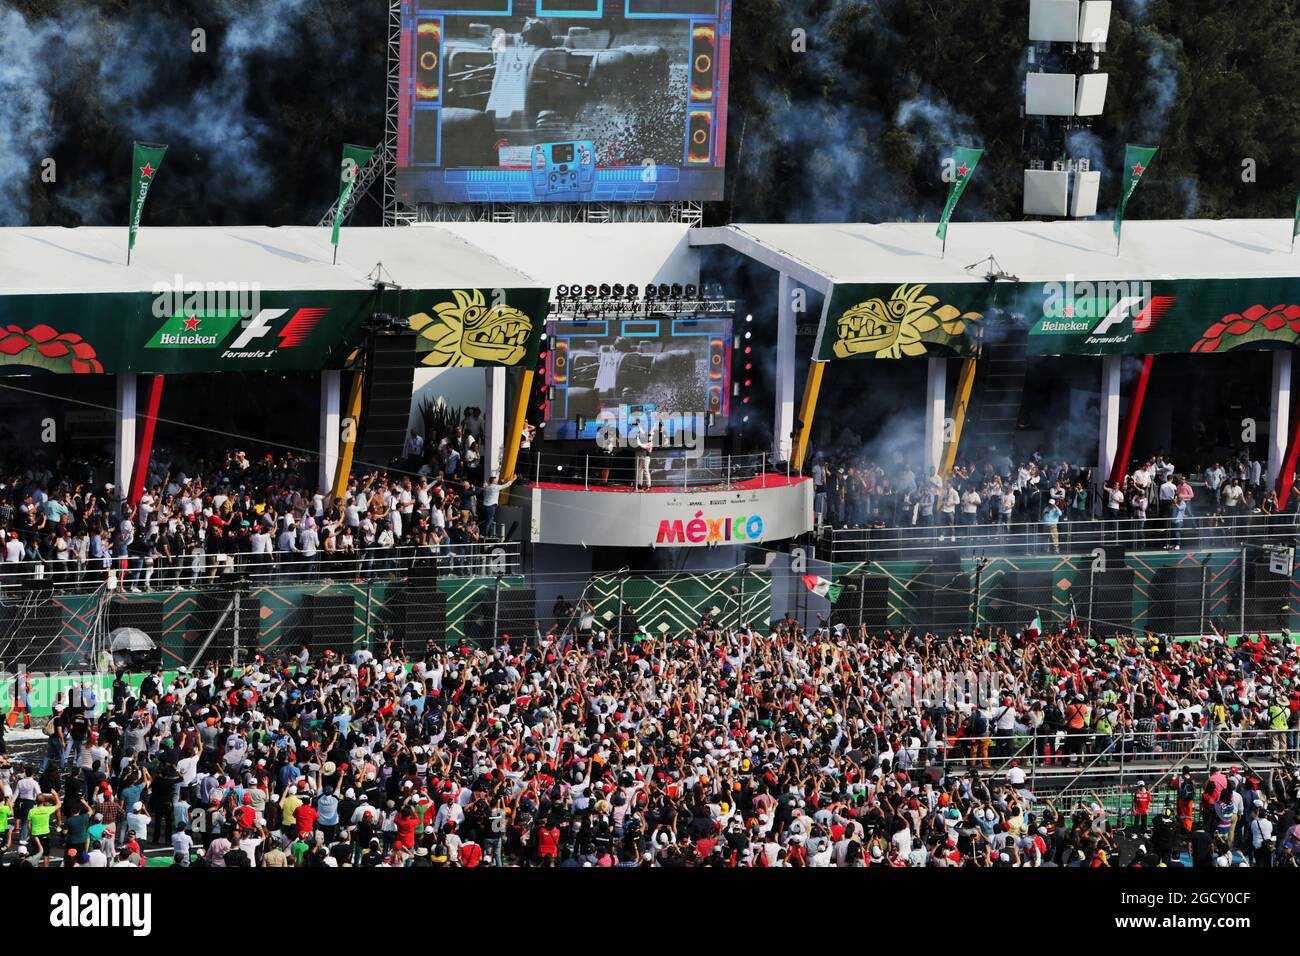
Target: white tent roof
<point>428,255</point>
<point>821,255</point>
<point>93,259</point>
<point>562,253</point>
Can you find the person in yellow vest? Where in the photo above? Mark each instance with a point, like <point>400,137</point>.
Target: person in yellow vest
<point>1279,716</point>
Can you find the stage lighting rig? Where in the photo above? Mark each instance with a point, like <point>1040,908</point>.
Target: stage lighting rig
<point>620,299</point>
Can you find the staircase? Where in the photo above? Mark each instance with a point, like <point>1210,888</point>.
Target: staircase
<point>994,410</point>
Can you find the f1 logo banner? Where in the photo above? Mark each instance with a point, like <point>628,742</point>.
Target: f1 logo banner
<point>1066,317</point>
<point>217,327</point>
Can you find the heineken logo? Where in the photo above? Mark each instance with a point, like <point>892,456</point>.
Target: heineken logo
<point>146,171</point>
<point>1138,169</point>
<point>962,170</point>
<point>243,336</point>
<point>1106,312</point>
<point>194,330</point>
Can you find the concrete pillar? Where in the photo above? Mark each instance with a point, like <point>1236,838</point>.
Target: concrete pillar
<point>331,388</point>
<point>936,412</point>
<point>494,421</point>
<point>1279,416</point>
<point>786,324</point>
<point>1108,432</point>
<point>125,441</point>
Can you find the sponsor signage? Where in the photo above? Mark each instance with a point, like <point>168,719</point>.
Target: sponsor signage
<point>167,333</point>
<point>678,519</point>
<point>1069,317</point>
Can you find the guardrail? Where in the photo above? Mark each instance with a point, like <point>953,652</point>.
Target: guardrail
<point>1060,763</point>
<point>200,569</point>
<point>618,468</point>
<point>1078,536</point>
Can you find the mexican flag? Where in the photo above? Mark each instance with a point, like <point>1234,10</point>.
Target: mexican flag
<point>822,587</point>
<point>1035,627</point>
<point>1136,161</point>
<point>146,160</point>
<point>355,159</point>
<point>965,159</point>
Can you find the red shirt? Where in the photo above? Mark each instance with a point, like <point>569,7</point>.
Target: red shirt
<point>470,854</point>
<point>305,816</point>
<point>548,841</point>
<point>406,831</point>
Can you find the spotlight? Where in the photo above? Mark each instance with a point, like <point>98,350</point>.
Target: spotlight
<point>650,291</point>
<point>562,291</point>
<point>590,291</point>
<point>749,318</point>
<point>605,290</point>
<point>665,291</point>
<point>619,291</point>
<point>632,291</point>
<point>676,291</point>
<point>691,292</point>
<point>748,334</point>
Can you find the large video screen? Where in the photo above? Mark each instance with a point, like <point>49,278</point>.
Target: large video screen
<point>523,101</point>
<point>669,374</point>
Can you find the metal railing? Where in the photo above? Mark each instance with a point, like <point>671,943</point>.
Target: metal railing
<point>1058,763</point>
<point>1078,536</point>
<point>200,569</point>
<point>682,469</point>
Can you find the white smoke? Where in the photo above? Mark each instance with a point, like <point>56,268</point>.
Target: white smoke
<point>137,69</point>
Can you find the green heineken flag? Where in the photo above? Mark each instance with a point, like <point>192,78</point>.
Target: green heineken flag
<point>1136,161</point>
<point>354,160</point>
<point>146,160</point>
<point>965,159</point>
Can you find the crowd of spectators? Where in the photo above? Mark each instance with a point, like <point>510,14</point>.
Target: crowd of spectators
<point>199,517</point>
<point>781,747</point>
<point>1152,504</point>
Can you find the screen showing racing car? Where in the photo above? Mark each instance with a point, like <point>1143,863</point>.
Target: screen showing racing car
<point>523,101</point>
<point>669,373</point>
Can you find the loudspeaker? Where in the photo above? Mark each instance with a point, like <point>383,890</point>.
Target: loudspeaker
<point>386,405</point>
<point>423,572</point>
<point>146,616</point>
<point>428,55</point>
<point>942,599</point>
<point>1267,594</point>
<point>704,42</point>
<point>37,630</point>
<point>517,612</point>
<point>423,618</point>
<point>330,622</point>
<point>865,597</point>
<point>1174,601</point>
<point>1012,600</point>
<point>700,147</point>
<point>1111,600</point>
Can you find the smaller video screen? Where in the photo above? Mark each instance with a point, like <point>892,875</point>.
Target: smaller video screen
<point>667,372</point>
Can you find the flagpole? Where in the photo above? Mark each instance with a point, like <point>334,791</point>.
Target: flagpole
<point>336,255</point>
